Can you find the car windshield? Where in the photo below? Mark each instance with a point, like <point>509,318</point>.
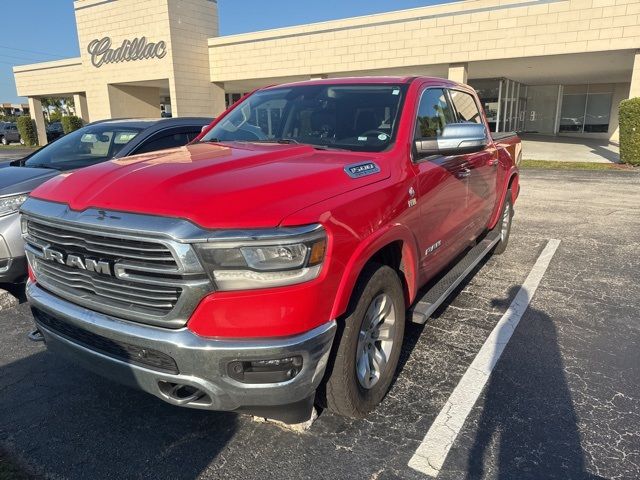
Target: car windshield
<point>84,147</point>
<point>359,117</point>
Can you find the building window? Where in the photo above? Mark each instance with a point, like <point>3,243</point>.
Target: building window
<point>586,108</point>
<point>489,94</point>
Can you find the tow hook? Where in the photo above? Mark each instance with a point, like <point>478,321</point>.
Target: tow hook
<point>36,336</point>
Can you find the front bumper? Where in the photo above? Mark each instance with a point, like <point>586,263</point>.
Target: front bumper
<point>13,266</point>
<point>115,348</point>
<point>13,270</point>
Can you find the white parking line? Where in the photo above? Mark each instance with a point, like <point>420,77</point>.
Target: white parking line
<point>435,446</point>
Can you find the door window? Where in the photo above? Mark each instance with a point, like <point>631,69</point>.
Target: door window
<point>466,108</point>
<point>168,140</point>
<point>434,112</point>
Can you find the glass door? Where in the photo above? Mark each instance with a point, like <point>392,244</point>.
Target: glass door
<point>541,107</point>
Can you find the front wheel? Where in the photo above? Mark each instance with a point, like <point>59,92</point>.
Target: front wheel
<point>505,224</point>
<point>369,344</point>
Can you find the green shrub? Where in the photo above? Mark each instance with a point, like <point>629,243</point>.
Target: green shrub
<point>71,123</point>
<point>630,131</point>
<point>55,117</point>
<point>27,129</point>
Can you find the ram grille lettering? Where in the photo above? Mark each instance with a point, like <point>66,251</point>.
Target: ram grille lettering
<point>76,261</point>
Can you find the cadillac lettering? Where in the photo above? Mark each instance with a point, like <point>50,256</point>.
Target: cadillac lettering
<point>130,50</point>
<point>76,261</point>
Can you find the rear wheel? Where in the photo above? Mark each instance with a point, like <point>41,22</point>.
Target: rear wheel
<point>369,344</point>
<point>505,225</point>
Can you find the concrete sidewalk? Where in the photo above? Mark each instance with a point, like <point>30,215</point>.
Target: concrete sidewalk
<point>563,149</point>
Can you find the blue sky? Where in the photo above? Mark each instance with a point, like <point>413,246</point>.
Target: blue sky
<point>54,36</point>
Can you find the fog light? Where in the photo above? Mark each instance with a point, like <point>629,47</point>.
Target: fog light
<point>265,371</point>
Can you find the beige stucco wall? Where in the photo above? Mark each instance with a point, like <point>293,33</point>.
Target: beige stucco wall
<point>120,20</point>
<point>634,90</point>
<point>452,39</point>
<point>124,99</point>
<point>50,78</point>
<point>468,31</point>
<point>620,93</point>
<point>184,25</point>
<point>192,23</point>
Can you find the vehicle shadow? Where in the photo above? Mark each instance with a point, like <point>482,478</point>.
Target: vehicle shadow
<point>65,422</point>
<point>528,427</point>
<point>16,290</point>
<point>413,331</point>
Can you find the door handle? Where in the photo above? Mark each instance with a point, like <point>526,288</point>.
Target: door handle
<point>493,162</point>
<point>463,173</point>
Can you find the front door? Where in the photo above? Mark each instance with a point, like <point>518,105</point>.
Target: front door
<point>442,183</point>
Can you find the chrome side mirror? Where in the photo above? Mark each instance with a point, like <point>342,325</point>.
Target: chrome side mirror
<point>455,139</point>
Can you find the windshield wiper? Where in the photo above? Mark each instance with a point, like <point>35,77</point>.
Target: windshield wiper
<point>283,141</point>
<point>289,141</point>
<point>41,165</point>
<point>328,147</point>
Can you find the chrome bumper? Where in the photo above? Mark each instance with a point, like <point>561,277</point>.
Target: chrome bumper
<point>201,363</point>
<point>13,266</point>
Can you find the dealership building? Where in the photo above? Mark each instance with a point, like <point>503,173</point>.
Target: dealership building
<point>555,67</point>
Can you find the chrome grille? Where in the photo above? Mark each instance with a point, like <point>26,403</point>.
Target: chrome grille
<point>148,287</point>
<point>82,283</point>
<point>100,245</point>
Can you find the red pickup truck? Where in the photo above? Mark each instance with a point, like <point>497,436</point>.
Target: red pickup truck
<point>274,261</point>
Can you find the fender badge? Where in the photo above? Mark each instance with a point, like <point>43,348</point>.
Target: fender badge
<point>433,247</point>
<point>357,170</point>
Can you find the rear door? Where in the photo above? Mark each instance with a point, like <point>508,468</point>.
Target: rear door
<point>168,138</point>
<point>441,185</point>
<point>483,166</point>
<point>12,133</point>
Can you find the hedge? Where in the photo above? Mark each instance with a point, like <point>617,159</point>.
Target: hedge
<point>27,130</point>
<point>629,115</point>
<point>71,123</point>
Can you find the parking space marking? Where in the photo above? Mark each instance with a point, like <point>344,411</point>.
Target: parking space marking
<point>432,452</point>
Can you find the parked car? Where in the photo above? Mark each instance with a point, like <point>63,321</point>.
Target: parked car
<point>279,252</point>
<point>95,143</point>
<point>9,133</point>
<point>54,131</point>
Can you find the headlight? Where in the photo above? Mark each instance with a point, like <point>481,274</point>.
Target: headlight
<point>264,262</point>
<point>11,204</point>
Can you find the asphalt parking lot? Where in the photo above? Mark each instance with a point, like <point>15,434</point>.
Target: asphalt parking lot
<point>563,400</point>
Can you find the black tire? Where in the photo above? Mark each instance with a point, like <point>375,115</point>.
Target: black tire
<point>344,393</point>
<point>506,217</point>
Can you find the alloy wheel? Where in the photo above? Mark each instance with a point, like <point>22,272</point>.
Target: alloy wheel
<point>375,341</point>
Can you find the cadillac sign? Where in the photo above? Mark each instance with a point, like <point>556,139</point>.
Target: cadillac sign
<point>130,50</point>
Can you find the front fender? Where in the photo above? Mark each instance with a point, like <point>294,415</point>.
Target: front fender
<point>367,249</point>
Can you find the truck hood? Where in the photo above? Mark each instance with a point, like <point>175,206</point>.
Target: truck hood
<point>237,185</point>
<point>14,180</point>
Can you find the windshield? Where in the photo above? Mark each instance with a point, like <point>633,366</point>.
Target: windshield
<point>352,117</point>
<point>84,147</point>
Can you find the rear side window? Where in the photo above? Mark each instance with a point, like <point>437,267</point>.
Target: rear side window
<point>169,140</point>
<point>434,112</point>
<point>466,108</point>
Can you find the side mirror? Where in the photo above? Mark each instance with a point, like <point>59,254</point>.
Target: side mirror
<point>456,139</point>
